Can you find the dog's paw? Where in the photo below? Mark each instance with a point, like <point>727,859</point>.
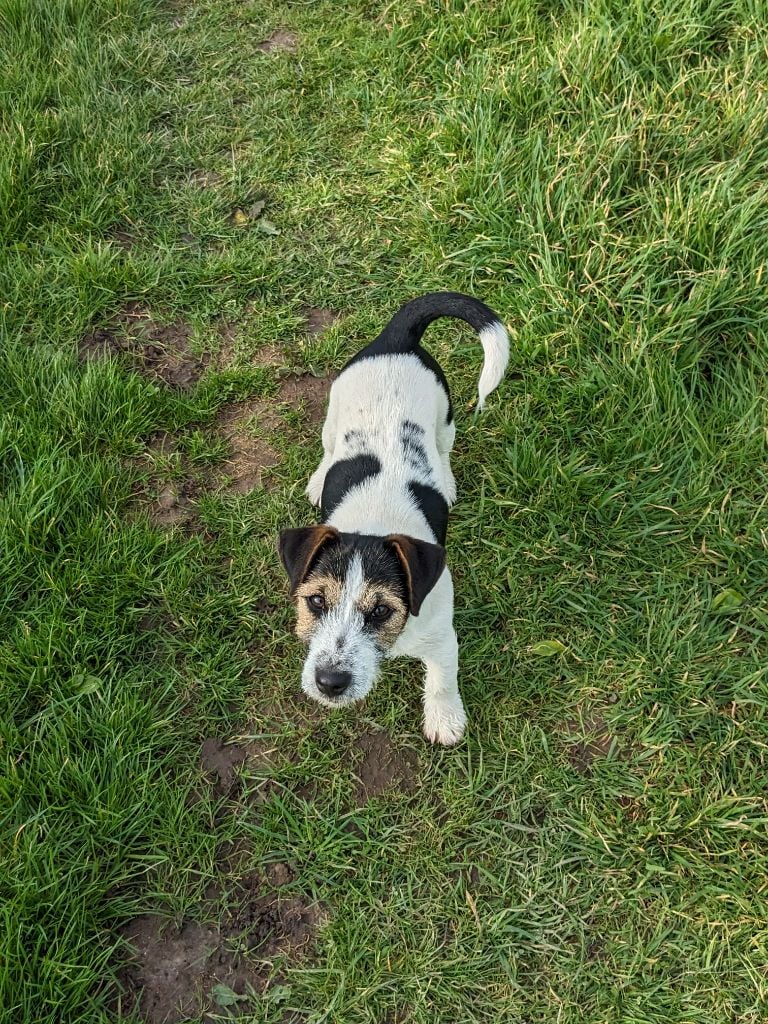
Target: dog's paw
<point>444,721</point>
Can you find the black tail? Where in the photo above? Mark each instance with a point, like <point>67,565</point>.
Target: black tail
<point>404,331</point>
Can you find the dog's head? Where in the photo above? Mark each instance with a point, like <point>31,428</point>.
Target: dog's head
<point>353,597</point>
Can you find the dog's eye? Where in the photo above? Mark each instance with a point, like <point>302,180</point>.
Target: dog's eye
<point>381,613</point>
<point>316,602</point>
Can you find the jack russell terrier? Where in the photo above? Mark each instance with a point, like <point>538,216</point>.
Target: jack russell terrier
<point>371,582</point>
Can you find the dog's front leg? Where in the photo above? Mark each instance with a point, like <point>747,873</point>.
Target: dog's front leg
<point>314,489</point>
<point>433,641</point>
<point>444,715</point>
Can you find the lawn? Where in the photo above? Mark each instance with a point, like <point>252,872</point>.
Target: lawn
<point>204,210</point>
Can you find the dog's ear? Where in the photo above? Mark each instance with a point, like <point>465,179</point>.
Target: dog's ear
<point>298,547</point>
<point>422,564</point>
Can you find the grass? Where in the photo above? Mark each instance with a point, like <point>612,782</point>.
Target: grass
<point>595,851</point>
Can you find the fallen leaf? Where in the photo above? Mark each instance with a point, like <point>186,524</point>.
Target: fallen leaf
<point>727,600</point>
<point>277,994</point>
<point>223,995</point>
<point>86,684</point>
<point>257,209</point>
<point>239,217</point>
<point>548,648</point>
<point>267,227</point>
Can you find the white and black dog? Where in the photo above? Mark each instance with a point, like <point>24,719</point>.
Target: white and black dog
<point>371,582</point>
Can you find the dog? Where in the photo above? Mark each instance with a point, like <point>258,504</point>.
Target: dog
<point>371,581</point>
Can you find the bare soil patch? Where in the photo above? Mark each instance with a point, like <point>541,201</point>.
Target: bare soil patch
<point>250,425</point>
<point>281,41</point>
<point>270,355</point>
<point>271,743</point>
<point>162,444</point>
<point>308,393</point>
<point>316,321</point>
<point>160,351</point>
<point>173,972</point>
<point>589,739</point>
<point>250,768</point>
<point>169,500</point>
<point>226,355</point>
<point>265,924</point>
<point>205,179</point>
<point>220,762</point>
<point>381,767</point>
<point>233,859</point>
<point>279,874</point>
<point>319,319</point>
<point>249,456</point>
<point>122,238</point>
<point>174,504</point>
<point>249,924</point>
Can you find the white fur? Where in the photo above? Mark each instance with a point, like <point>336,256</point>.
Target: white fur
<point>495,342</point>
<point>339,642</point>
<point>431,638</point>
<point>373,397</point>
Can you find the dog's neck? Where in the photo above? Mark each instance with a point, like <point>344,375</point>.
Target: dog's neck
<point>381,519</point>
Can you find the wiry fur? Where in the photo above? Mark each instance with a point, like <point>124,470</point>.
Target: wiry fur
<point>386,471</point>
<point>339,640</point>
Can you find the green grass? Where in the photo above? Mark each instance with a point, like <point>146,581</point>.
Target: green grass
<point>597,173</point>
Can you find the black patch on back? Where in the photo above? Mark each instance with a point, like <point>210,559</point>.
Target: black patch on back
<point>357,442</point>
<point>343,476</point>
<point>386,345</point>
<point>414,452</point>
<point>433,507</point>
<point>413,428</point>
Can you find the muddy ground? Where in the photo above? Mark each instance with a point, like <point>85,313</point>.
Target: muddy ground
<point>249,430</point>
<point>588,740</point>
<point>160,351</point>
<point>252,923</point>
<point>209,967</point>
<point>231,949</point>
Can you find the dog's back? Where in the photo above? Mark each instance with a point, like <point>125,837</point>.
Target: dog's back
<point>390,429</point>
<point>385,459</point>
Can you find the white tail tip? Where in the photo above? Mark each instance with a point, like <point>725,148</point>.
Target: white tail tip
<point>495,342</point>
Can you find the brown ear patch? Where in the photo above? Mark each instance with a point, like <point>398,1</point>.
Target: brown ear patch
<point>299,547</point>
<point>422,564</point>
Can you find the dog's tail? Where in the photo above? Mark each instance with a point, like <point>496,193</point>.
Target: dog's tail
<point>404,331</point>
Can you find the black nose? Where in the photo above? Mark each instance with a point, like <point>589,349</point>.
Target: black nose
<point>332,683</point>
